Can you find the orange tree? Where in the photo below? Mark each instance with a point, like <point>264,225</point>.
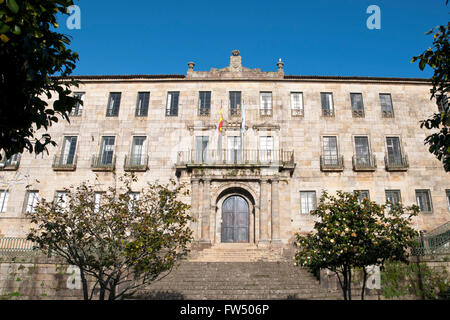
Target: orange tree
<point>350,235</point>
<point>120,244</point>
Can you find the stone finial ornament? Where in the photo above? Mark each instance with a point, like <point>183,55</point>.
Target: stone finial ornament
<point>280,65</point>
<point>191,65</point>
<point>235,53</point>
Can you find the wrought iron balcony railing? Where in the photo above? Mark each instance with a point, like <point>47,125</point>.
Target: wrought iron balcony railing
<point>358,113</point>
<point>387,113</point>
<point>332,163</point>
<point>396,163</point>
<point>365,163</point>
<point>266,112</point>
<point>204,111</point>
<point>64,163</point>
<point>103,163</point>
<point>327,113</point>
<point>10,164</point>
<point>136,163</point>
<point>297,112</point>
<point>236,157</point>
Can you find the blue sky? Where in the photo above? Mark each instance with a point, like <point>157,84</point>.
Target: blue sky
<point>311,37</point>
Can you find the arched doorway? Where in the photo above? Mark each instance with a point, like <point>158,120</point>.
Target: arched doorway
<point>235,220</point>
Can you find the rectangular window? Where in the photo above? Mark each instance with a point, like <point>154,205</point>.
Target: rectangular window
<point>138,151</point>
<point>442,102</point>
<point>68,150</point>
<point>235,103</point>
<point>4,195</point>
<point>327,104</point>
<point>107,150</point>
<point>423,199</point>
<point>308,201</point>
<point>447,193</point>
<point>363,194</point>
<point>97,201</point>
<point>386,105</point>
<point>113,104</point>
<point>31,201</point>
<point>265,103</point>
<point>134,196</point>
<point>357,105</point>
<point>77,110</point>
<point>297,104</point>
<point>330,151</point>
<point>10,161</point>
<point>172,103</point>
<point>393,196</point>
<point>266,149</point>
<point>61,198</point>
<point>394,150</point>
<point>234,149</point>
<point>362,150</point>
<point>142,104</point>
<point>204,103</point>
<point>201,149</point>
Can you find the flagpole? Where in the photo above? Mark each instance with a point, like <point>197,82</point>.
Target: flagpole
<point>219,140</point>
<point>242,129</point>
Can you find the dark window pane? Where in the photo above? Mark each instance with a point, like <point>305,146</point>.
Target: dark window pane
<point>204,102</point>
<point>142,104</point>
<point>357,104</point>
<point>113,104</point>
<point>172,103</point>
<point>235,102</point>
<point>394,152</point>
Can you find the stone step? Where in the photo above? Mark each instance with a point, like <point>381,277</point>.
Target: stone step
<point>238,281</point>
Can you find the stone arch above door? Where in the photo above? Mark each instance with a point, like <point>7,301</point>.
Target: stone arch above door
<point>240,190</point>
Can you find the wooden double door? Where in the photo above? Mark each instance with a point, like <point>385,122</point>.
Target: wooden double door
<point>235,220</point>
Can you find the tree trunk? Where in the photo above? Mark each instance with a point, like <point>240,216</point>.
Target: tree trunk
<point>349,283</point>
<point>345,286</point>
<point>364,283</point>
<point>84,284</point>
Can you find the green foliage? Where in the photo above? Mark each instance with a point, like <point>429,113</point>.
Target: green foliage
<point>418,279</point>
<point>351,235</point>
<point>438,58</point>
<point>124,243</point>
<point>31,52</point>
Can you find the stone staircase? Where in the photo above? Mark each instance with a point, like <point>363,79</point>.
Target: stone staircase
<point>236,252</point>
<point>237,272</point>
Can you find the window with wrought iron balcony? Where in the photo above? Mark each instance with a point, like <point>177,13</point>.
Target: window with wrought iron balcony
<point>266,104</point>
<point>363,160</point>
<point>395,159</point>
<point>10,164</point>
<point>235,103</point>
<point>67,160</point>
<point>330,160</point>
<point>106,160</point>
<point>327,104</point>
<point>387,110</point>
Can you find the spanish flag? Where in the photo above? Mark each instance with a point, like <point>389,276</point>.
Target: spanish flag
<point>220,119</point>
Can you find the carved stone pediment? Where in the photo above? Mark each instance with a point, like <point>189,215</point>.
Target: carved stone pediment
<point>234,71</point>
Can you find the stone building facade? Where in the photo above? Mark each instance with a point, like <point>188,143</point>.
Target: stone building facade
<point>255,181</point>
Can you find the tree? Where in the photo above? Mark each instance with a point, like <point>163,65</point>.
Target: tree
<point>438,58</point>
<point>350,235</point>
<point>123,243</point>
<point>31,52</point>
